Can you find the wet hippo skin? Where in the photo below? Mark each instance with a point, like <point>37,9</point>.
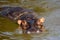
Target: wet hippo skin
<point>18,13</point>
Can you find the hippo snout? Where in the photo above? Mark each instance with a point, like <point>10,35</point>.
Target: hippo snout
<point>29,32</point>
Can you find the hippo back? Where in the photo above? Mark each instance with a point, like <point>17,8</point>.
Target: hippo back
<point>16,13</point>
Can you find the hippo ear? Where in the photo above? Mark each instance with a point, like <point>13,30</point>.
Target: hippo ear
<point>42,19</point>
<point>19,22</point>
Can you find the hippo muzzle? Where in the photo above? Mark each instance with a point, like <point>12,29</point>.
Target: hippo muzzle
<point>31,26</point>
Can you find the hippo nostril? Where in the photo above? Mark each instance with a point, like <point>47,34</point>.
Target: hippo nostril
<point>38,31</point>
<point>28,32</point>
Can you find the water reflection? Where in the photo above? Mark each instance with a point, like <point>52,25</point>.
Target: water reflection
<point>14,36</point>
<point>26,37</point>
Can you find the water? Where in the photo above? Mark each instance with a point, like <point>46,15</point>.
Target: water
<point>9,30</point>
<point>52,24</point>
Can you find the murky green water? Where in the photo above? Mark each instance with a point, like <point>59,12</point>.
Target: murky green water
<point>8,29</point>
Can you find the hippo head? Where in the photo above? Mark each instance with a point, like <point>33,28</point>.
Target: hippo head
<point>32,25</point>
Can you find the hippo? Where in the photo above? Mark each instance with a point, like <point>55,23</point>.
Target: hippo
<point>26,18</point>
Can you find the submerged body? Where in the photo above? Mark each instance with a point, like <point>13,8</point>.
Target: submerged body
<point>29,21</point>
